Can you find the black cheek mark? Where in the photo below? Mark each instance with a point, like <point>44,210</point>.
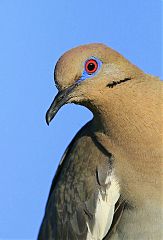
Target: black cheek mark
<point>114,83</point>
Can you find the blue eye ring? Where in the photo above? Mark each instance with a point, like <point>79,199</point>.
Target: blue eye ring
<point>91,71</point>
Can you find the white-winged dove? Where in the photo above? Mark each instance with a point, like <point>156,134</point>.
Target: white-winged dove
<point>109,182</point>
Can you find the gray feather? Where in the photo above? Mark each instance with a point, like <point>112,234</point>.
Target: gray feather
<point>72,200</point>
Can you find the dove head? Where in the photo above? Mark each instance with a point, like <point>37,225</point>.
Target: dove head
<point>85,74</point>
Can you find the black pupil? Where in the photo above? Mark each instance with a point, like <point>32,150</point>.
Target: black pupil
<point>91,66</point>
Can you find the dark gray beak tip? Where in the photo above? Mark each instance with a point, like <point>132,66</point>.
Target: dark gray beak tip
<point>48,118</point>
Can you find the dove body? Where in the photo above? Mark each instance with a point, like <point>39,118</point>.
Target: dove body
<point>115,162</point>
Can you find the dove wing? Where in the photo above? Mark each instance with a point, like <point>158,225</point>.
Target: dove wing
<point>84,200</point>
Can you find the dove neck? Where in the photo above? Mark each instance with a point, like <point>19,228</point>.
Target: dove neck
<point>130,111</point>
<point>130,116</point>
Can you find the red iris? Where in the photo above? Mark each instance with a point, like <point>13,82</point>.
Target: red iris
<point>91,66</point>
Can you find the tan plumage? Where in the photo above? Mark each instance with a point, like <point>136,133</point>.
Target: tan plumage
<point>125,138</point>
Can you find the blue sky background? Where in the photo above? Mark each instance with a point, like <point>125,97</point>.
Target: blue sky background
<point>33,34</point>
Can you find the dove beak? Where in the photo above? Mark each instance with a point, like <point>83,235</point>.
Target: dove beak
<point>60,99</point>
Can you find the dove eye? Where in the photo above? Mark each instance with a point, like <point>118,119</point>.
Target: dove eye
<point>91,66</point>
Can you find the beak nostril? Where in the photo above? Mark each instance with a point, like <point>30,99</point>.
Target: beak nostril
<point>57,85</point>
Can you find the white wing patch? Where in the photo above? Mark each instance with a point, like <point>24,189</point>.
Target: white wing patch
<point>104,210</point>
